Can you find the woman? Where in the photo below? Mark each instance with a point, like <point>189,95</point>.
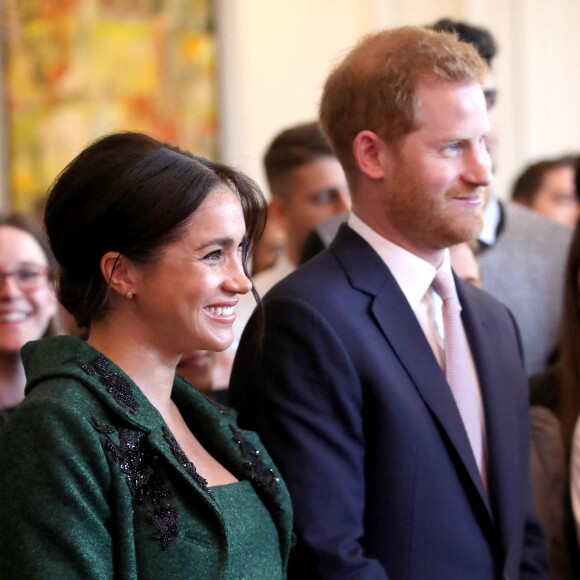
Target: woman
<point>128,471</point>
<point>555,409</point>
<point>27,301</point>
<point>568,372</point>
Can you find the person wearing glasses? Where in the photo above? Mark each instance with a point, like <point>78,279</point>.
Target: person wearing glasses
<point>124,470</point>
<point>27,301</point>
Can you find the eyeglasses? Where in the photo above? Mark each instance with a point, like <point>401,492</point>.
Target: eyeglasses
<point>27,279</point>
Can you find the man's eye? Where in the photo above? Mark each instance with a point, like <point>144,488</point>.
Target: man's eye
<point>324,196</point>
<point>490,98</point>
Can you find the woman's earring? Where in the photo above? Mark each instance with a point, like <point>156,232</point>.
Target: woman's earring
<point>128,295</point>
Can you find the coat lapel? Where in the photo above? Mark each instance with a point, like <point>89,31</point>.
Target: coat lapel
<point>240,453</point>
<point>398,323</point>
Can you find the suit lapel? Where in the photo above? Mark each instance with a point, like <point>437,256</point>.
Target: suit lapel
<point>398,323</point>
<point>404,334</point>
<point>502,450</point>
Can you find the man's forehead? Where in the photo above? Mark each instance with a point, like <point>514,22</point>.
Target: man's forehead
<point>443,87</point>
<point>433,96</point>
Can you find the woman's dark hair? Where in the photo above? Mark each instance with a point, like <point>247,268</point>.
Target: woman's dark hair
<point>569,358</point>
<point>25,223</point>
<point>129,193</point>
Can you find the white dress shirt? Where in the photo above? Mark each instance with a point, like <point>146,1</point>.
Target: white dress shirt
<point>414,277</point>
<point>491,219</point>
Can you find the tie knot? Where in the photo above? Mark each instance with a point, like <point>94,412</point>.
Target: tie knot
<point>444,286</point>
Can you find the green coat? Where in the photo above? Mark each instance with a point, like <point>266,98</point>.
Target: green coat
<point>93,485</point>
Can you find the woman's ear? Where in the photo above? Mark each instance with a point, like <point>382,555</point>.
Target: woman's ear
<point>118,272</point>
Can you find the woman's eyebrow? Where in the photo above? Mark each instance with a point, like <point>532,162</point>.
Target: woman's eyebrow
<point>218,242</point>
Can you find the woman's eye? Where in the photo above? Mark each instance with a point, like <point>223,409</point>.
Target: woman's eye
<point>27,275</point>
<point>214,256</point>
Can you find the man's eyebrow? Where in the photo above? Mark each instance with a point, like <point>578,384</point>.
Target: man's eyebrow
<point>324,190</point>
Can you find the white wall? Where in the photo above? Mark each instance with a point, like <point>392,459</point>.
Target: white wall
<point>276,55</point>
<point>537,75</point>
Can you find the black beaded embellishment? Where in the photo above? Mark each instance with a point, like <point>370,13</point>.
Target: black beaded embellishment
<point>223,410</point>
<point>136,460</point>
<point>185,462</point>
<point>262,476</point>
<point>118,386</point>
<point>164,518</point>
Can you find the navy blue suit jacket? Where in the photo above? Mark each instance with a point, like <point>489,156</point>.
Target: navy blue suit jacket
<point>351,402</point>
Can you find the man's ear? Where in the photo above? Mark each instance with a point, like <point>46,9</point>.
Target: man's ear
<point>118,272</point>
<point>370,153</point>
<point>277,212</point>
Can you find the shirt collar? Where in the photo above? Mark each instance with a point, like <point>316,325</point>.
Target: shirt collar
<point>491,219</point>
<point>413,274</point>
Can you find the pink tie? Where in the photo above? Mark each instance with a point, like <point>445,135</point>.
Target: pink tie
<point>457,367</point>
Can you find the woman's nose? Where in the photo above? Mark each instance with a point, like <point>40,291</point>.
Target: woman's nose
<point>238,282</point>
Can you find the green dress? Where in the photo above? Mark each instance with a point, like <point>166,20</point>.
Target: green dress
<point>250,529</point>
<point>94,486</point>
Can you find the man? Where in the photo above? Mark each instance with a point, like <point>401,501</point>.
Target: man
<point>523,254</point>
<point>548,188</point>
<point>307,185</point>
<point>389,477</point>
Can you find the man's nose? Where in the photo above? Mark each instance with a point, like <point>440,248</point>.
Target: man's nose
<point>478,167</point>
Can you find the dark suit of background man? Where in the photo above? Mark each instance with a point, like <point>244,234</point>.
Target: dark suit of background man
<point>347,390</point>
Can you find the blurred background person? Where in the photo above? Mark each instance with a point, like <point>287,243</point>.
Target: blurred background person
<point>465,264</point>
<point>269,248</point>
<point>201,369</point>
<point>307,184</point>
<point>197,367</point>
<point>558,387</point>
<point>555,392</point>
<point>555,400</point>
<point>28,304</point>
<point>548,187</point>
<point>129,471</point>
